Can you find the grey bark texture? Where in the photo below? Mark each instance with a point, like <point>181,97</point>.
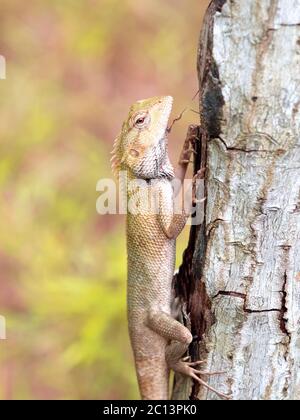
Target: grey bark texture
<point>244,262</point>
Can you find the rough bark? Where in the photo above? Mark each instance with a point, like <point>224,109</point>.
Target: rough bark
<point>241,272</point>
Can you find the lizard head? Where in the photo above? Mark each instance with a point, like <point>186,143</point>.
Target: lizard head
<point>141,147</point>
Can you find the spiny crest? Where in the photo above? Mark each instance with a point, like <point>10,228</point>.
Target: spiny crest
<point>117,151</point>
<point>116,156</point>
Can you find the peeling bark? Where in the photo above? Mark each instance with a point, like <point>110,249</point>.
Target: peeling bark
<point>244,263</point>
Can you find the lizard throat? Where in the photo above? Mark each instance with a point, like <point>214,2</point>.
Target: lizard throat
<point>155,163</point>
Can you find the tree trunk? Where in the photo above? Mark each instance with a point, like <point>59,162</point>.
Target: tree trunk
<point>241,272</point>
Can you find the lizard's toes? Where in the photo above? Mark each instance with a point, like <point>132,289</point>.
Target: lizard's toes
<point>200,174</point>
<point>187,368</point>
<point>199,362</point>
<point>205,373</point>
<point>196,375</point>
<point>210,388</point>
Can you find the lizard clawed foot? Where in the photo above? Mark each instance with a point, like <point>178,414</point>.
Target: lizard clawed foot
<point>188,368</point>
<point>185,161</point>
<point>192,150</point>
<point>200,174</point>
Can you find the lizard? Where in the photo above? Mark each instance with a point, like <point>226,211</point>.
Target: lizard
<point>158,340</point>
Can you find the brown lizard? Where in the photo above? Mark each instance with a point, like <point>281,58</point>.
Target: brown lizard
<point>159,341</point>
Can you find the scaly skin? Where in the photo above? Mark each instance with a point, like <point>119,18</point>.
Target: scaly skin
<point>158,340</point>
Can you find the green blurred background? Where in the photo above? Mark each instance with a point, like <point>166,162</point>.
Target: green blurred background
<point>73,69</point>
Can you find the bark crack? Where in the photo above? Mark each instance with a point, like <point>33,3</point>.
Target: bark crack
<point>283,326</point>
<point>289,24</point>
<point>244,297</point>
<point>283,311</point>
<point>240,149</point>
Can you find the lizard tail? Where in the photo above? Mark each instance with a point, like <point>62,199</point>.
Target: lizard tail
<point>153,378</point>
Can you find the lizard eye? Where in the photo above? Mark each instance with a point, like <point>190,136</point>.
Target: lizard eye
<point>141,120</point>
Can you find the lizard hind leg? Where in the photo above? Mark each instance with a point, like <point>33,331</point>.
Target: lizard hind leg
<point>174,353</point>
<point>180,338</point>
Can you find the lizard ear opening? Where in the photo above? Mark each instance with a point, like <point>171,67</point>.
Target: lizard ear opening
<point>134,153</point>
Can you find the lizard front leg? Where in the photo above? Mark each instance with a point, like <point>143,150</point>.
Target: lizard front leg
<point>185,156</point>
<point>179,339</point>
<point>173,223</point>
